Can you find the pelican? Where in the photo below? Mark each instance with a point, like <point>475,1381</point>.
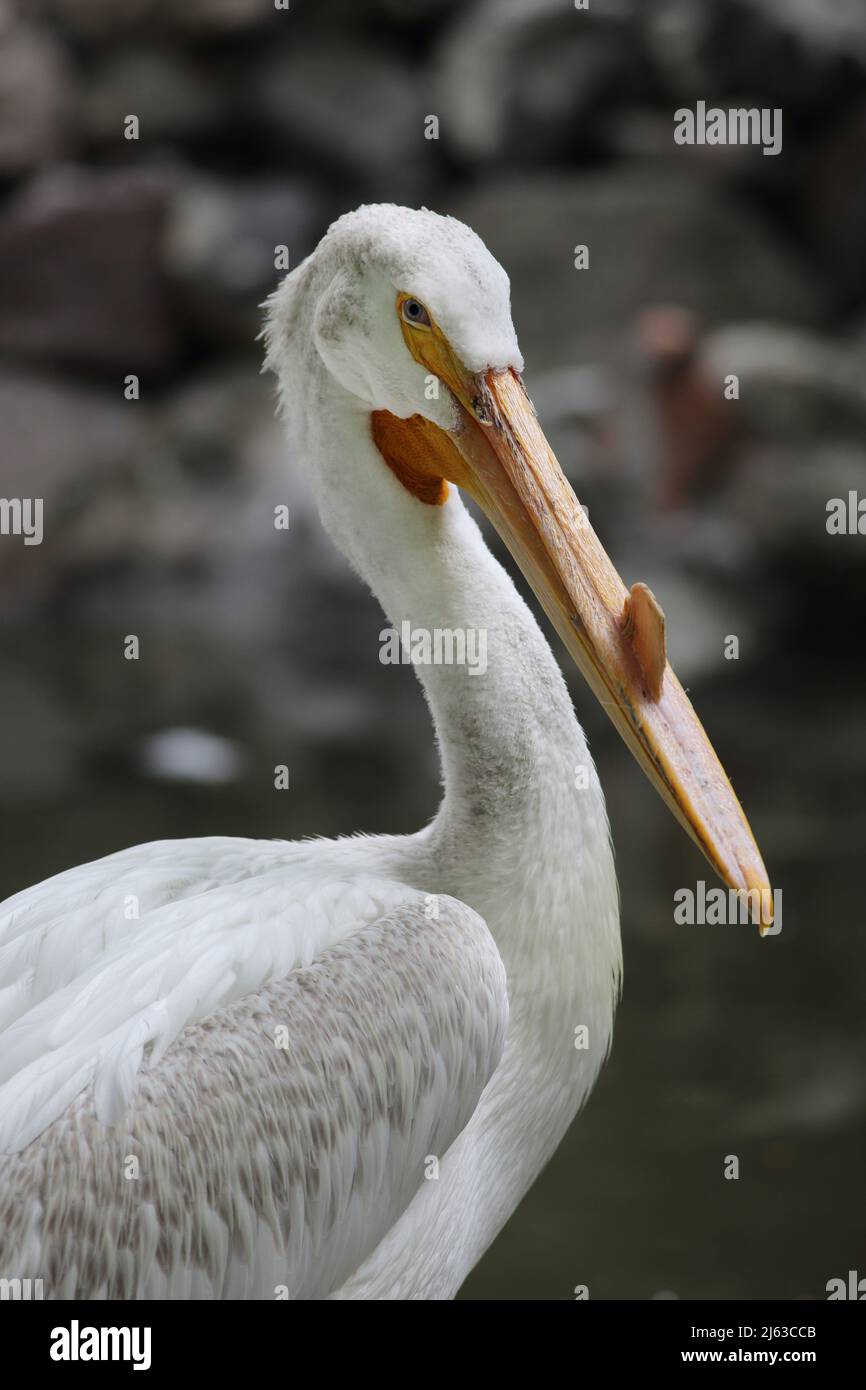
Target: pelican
<point>331,1069</point>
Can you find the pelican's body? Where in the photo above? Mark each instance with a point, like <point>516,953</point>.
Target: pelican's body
<point>234,1068</point>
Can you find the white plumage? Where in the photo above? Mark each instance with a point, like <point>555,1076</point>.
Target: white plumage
<point>230,1068</point>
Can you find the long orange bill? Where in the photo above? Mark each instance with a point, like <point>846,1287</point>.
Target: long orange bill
<point>499,454</point>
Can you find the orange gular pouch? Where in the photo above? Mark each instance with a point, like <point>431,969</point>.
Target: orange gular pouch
<point>418,452</point>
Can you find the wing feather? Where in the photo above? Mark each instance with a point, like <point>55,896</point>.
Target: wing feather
<point>236,1096</point>
<point>118,958</point>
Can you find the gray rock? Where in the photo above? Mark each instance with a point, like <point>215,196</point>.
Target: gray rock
<point>807,59</point>
<point>782,496</point>
<point>663,235</point>
<point>81,280</point>
<point>793,384</point>
<point>101,19</point>
<point>76,449</point>
<point>513,77</point>
<point>63,439</point>
<point>37,99</point>
<point>220,247</point>
<point>832,195</point>
<point>791,53</point>
<point>349,110</point>
<point>174,98</point>
<point>163,511</point>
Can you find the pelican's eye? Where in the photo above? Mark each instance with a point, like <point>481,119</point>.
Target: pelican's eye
<point>413,311</point>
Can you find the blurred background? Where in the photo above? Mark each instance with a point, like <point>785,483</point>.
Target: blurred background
<point>257,127</point>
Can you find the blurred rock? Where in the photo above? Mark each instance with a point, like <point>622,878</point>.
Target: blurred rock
<point>101,19</point>
<point>833,202</point>
<point>81,281</point>
<point>514,77</point>
<point>65,439</point>
<point>793,384</point>
<point>352,110</point>
<point>698,615</point>
<point>575,393</point>
<point>227,468</point>
<point>639,133</point>
<point>807,58</point>
<point>162,511</point>
<point>36,99</point>
<point>812,584</point>
<point>174,98</point>
<point>782,498</point>
<point>212,16</point>
<point>666,235</point>
<point>578,407</point>
<point>745,482</point>
<point>76,450</point>
<point>220,248</point>
<point>223,446</point>
<point>798,54</point>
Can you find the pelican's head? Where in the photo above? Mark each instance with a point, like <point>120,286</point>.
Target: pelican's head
<point>379,283</point>
<point>410,314</point>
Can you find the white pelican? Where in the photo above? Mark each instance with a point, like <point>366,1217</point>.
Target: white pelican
<point>243,1069</point>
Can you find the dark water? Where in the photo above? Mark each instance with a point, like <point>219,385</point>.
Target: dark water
<point>724,1044</point>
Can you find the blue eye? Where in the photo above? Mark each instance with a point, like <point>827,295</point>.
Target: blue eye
<point>413,311</point>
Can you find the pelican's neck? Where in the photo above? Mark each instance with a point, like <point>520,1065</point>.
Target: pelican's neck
<point>521,836</point>
<point>522,805</point>
<point>495,691</point>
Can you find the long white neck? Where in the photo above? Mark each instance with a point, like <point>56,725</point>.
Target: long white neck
<point>521,836</point>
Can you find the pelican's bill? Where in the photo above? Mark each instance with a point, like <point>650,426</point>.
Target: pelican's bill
<point>498,453</point>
